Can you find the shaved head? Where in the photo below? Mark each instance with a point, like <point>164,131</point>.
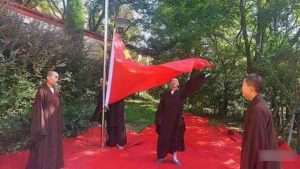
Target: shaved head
<point>52,78</point>
<point>100,82</point>
<point>51,72</point>
<point>252,86</point>
<point>174,80</point>
<point>174,83</point>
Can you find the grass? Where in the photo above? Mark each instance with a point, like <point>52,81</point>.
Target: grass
<point>139,114</point>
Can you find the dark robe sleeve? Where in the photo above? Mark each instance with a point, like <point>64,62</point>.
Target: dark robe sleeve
<point>62,121</point>
<point>253,140</point>
<point>159,111</point>
<point>38,126</point>
<point>193,85</point>
<point>97,114</point>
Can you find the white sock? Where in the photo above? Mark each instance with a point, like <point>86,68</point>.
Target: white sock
<point>120,147</point>
<point>175,157</point>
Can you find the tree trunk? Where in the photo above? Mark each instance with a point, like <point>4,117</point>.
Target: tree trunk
<point>245,34</point>
<point>291,128</point>
<point>282,122</point>
<point>225,100</point>
<point>298,117</point>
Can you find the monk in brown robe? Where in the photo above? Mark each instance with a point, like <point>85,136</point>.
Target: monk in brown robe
<point>114,116</point>
<point>169,121</point>
<point>46,147</point>
<point>259,131</point>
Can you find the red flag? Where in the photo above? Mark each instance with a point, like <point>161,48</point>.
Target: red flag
<point>127,77</point>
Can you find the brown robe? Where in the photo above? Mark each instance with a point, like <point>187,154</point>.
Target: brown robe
<point>259,134</point>
<point>46,149</point>
<point>116,130</point>
<point>97,116</point>
<point>169,121</point>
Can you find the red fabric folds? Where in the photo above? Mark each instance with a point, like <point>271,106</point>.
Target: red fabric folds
<point>127,77</point>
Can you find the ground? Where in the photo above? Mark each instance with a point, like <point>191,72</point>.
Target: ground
<point>206,147</point>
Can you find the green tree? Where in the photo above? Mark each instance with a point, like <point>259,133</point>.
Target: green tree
<point>238,37</point>
<point>75,17</point>
<point>27,51</point>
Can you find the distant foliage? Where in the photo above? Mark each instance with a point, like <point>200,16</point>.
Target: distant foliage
<point>28,49</point>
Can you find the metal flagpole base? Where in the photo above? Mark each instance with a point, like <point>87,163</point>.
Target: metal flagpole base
<point>103,132</point>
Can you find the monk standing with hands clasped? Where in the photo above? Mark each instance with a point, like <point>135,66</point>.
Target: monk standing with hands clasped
<point>46,148</point>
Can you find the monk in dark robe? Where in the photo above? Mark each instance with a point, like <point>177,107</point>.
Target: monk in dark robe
<point>169,121</point>
<point>46,148</point>
<point>116,130</point>
<point>259,131</point>
<point>114,116</point>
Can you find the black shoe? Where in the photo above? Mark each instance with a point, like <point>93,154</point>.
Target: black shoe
<point>177,163</point>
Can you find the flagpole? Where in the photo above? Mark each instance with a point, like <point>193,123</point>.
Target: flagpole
<point>104,72</point>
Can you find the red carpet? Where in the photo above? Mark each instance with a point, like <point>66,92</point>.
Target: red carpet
<point>206,147</point>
